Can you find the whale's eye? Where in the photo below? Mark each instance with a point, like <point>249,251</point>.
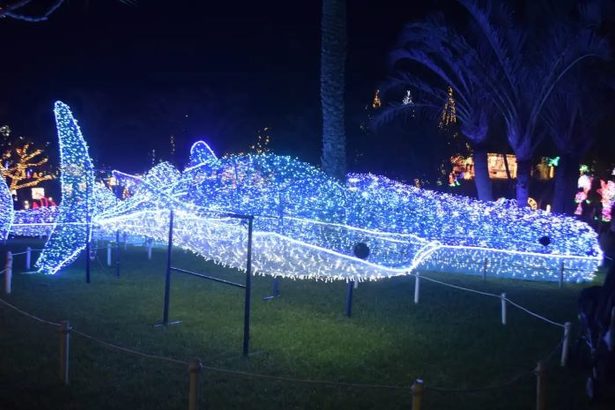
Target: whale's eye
<point>544,240</point>
<point>361,250</point>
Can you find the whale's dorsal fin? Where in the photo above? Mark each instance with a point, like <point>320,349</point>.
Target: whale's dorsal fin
<point>200,153</point>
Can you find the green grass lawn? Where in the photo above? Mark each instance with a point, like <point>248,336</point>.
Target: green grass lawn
<point>451,339</point>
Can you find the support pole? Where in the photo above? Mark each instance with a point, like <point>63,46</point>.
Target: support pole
<point>117,254</point>
<point>87,233</point>
<point>108,253</point>
<point>149,249</point>
<point>541,387</point>
<point>167,280</point>
<point>417,285</point>
<point>565,344</point>
<point>8,273</point>
<point>125,241</point>
<point>417,389</point>
<point>65,329</point>
<point>485,269</point>
<point>194,371</point>
<point>611,333</point>
<point>561,275</point>
<point>246,317</point>
<point>503,303</point>
<point>87,254</point>
<point>349,288</point>
<point>28,258</point>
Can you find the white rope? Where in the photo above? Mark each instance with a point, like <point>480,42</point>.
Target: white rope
<point>457,287</point>
<point>31,316</point>
<point>536,315</point>
<point>20,253</point>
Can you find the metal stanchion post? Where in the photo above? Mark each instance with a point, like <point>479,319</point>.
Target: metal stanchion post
<point>246,317</point>
<point>8,273</point>
<point>503,303</point>
<point>65,329</point>
<point>565,344</point>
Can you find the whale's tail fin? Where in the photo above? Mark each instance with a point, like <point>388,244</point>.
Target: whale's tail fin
<point>68,236</point>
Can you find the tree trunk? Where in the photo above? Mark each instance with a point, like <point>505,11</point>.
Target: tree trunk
<point>332,66</point>
<point>524,168</point>
<point>565,184</point>
<point>481,174</point>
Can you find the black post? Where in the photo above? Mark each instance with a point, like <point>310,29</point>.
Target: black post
<point>349,287</point>
<point>246,317</point>
<point>87,233</point>
<point>117,254</point>
<point>275,291</point>
<point>167,281</point>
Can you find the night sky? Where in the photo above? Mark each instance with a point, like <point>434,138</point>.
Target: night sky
<point>221,71</point>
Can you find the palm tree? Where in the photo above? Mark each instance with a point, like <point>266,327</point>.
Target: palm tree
<point>522,68</point>
<point>28,10</point>
<point>332,65</point>
<point>436,47</point>
<point>570,119</point>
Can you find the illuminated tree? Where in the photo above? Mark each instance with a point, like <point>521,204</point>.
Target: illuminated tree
<point>22,163</point>
<point>332,66</point>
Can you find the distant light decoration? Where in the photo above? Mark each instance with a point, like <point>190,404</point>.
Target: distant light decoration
<point>5,131</point>
<point>449,112</point>
<point>531,202</point>
<point>376,102</point>
<point>307,225</point>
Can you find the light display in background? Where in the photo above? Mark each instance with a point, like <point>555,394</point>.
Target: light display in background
<point>6,210</point>
<point>307,224</point>
<point>605,193</point>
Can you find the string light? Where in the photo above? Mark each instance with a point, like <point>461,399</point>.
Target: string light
<point>449,112</point>
<point>6,210</point>
<point>68,235</point>
<point>306,224</point>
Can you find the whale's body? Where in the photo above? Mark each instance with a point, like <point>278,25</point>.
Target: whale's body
<point>307,224</point>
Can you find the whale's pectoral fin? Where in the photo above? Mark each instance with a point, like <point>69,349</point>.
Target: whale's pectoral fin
<point>68,236</point>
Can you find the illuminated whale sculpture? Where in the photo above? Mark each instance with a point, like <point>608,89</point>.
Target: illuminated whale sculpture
<point>307,224</point>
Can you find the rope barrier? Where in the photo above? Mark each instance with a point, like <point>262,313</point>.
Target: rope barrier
<point>536,315</point>
<point>20,253</point>
<point>508,383</point>
<point>31,316</point>
<point>131,351</point>
<point>281,378</point>
<point>457,286</point>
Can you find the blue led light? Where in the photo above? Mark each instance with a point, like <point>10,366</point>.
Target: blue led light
<point>6,210</point>
<point>307,224</point>
<point>68,235</point>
